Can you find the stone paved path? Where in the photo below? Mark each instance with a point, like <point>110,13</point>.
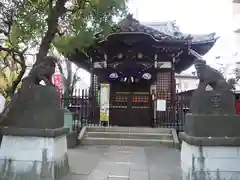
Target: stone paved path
<point>124,163</point>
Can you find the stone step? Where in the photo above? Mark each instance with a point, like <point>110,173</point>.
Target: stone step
<point>130,129</point>
<point>126,142</point>
<point>128,135</point>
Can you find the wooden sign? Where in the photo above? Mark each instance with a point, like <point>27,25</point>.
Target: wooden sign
<point>100,64</point>
<point>163,65</point>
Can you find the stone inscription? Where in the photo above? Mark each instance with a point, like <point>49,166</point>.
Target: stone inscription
<point>216,108</point>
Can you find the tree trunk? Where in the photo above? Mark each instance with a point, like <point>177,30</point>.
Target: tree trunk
<point>52,22</point>
<point>69,73</point>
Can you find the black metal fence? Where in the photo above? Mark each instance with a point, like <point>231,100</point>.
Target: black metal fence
<point>87,114</point>
<point>79,104</point>
<point>176,109</point>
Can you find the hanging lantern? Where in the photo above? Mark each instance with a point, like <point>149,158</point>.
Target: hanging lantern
<point>132,79</point>
<point>105,57</point>
<point>139,55</point>
<point>120,56</point>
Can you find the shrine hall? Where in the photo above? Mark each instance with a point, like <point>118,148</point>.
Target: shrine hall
<point>133,71</point>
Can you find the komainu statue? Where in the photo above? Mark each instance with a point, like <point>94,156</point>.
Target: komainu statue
<point>41,72</point>
<point>212,112</point>
<point>35,105</point>
<point>210,76</point>
<point>218,101</point>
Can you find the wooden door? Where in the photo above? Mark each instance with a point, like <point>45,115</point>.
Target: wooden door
<point>130,109</point>
<point>140,109</point>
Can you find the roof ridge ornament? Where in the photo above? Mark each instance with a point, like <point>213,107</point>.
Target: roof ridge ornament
<point>128,22</point>
<point>130,16</point>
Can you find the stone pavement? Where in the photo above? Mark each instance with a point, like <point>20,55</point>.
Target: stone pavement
<point>124,163</point>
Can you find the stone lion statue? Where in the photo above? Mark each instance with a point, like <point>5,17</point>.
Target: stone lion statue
<point>41,72</point>
<point>210,76</point>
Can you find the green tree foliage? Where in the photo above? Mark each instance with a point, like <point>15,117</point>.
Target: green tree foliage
<point>12,69</point>
<point>62,24</point>
<point>12,64</point>
<point>6,79</point>
<point>9,72</point>
<point>68,24</point>
<point>85,19</point>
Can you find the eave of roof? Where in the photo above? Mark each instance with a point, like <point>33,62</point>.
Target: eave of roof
<point>186,60</point>
<point>130,25</point>
<point>200,43</point>
<point>237,31</point>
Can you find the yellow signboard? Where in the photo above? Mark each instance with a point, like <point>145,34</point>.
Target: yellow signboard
<point>104,103</point>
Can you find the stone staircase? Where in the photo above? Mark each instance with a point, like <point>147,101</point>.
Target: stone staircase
<point>129,136</point>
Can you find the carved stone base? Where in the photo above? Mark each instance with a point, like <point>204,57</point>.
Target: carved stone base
<point>212,102</point>
<point>34,157</point>
<point>212,125</point>
<point>209,161</point>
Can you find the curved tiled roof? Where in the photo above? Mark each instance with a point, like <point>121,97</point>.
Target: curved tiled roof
<point>165,32</point>
<point>170,28</point>
<point>162,31</point>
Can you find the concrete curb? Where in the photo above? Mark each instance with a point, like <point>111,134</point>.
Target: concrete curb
<point>175,139</point>
<point>81,134</point>
<point>72,139</point>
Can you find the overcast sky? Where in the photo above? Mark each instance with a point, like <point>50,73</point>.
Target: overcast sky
<point>195,16</point>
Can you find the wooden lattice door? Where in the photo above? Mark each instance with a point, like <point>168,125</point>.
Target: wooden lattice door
<point>130,108</point>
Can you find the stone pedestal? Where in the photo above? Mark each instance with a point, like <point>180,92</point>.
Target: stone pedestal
<point>68,119</point>
<point>211,147</point>
<point>33,154</point>
<point>68,123</point>
<point>212,125</point>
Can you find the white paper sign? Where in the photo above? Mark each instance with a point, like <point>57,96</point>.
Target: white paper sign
<point>161,105</point>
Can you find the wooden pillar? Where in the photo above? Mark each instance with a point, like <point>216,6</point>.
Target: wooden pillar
<point>173,97</point>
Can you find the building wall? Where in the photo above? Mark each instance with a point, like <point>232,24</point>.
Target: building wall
<point>236,22</point>
<point>186,82</point>
<point>236,15</point>
<point>168,27</point>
